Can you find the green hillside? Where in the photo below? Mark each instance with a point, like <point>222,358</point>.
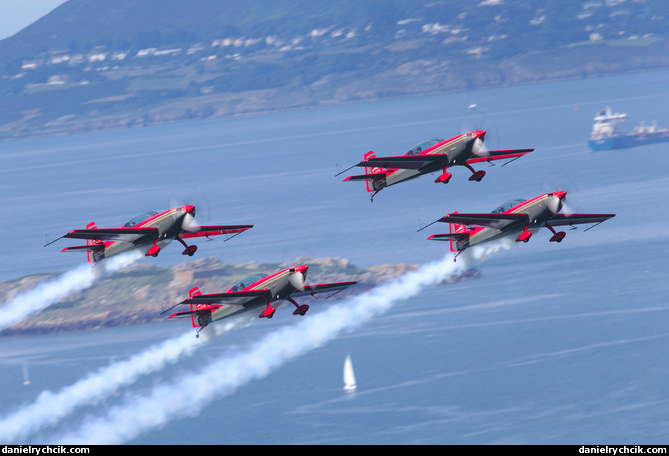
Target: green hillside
<point>92,65</point>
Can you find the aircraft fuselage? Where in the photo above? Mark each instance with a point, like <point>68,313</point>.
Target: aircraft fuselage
<point>457,150</point>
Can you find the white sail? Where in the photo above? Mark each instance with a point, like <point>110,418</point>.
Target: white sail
<point>26,378</point>
<point>349,375</point>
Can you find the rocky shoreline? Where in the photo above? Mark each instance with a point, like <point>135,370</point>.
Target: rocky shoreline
<point>141,293</point>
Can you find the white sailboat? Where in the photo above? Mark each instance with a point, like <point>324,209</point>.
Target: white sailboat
<point>349,375</point>
<point>26,377</point>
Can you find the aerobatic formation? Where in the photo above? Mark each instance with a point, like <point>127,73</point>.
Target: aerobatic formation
<point>149,232</point>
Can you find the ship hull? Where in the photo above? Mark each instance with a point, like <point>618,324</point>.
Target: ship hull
<point>625,142</point>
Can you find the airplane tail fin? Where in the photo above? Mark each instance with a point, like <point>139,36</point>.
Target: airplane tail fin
<point>376,171</point>
<point>89,252</point>
<point>458,236</point>
<point>195,291</point>
<point>455,228</point>
<point>374,177</point>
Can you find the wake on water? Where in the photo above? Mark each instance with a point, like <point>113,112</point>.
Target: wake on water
<point>189,394</point>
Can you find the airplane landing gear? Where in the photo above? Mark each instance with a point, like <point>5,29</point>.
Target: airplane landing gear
<point>443,178</point>
<point>190,250</point>
<point>153,251</point>
<point>269,312</point>
<point>557,236</point>
<point>299,309</point>
<point>524,236</point>
<point>476,175</point>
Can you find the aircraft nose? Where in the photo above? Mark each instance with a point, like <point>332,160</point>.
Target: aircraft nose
<point>189,209</point>
<point>479,134</point>
<point>557,202</point>
<point>297,280</point>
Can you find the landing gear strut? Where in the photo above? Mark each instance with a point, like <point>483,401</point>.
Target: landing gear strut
<point>524,236</point>
<point>557,236</point>
<point>299,309</point>
<point>444,177</point>
<point>269,312</point>
<point>188,249</point>
<point>476,175</point>
<point>153,251</point>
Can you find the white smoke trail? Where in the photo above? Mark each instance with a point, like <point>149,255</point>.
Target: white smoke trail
<point>51,407</point>
<point>52,291</point>
<point>189,394</point>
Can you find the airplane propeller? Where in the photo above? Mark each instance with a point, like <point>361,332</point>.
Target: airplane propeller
<point>480,146</point>
<point>556,203</point>
<point>569,204</point>
<point>185,196</point>
<point>298,278</point>
<point>189,218</point>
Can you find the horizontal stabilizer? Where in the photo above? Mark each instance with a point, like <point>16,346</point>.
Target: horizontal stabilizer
<point>90,248</point>
<point>190,313</point>
<point>448,237</point>
<point>373,176</point>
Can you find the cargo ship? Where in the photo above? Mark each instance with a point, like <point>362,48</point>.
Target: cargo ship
<point>607,132</point>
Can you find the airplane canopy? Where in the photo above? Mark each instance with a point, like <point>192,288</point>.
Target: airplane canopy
<point>508,205</point>
<point>246,281</point>
<point>141,217</point>
<point>424,145</point>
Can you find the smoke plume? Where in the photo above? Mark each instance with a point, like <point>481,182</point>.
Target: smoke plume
<point>189,394</point>
<point>52,291</point>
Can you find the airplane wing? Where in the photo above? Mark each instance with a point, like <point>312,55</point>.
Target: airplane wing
<point>575,219</point>
<point>112,234</point>
<point>497,155</point>
<point>497,221</point>
<point>322,288</point>
<point>233,298</point>
<point>213,230</point>
<point>403,161</point>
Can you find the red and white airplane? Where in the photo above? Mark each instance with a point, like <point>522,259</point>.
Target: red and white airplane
<point>253,292</point>
<point>433,155</point>
<point>147,232</point>
<point>513,218</point>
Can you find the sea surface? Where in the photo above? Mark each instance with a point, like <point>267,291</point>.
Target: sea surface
<point>553,344</point>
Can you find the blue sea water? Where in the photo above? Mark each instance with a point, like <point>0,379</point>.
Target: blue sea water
<point>554,344</point>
